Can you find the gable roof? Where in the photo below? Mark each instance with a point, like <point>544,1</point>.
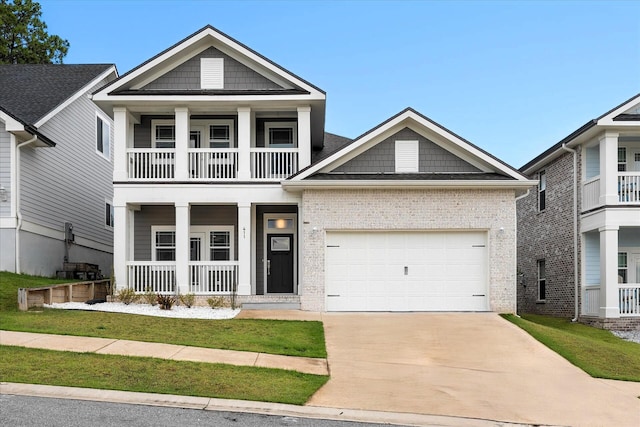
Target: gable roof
<point>30,91</point>
<point>191,45</point>
<point>492,168</point>
<point>616,116</point>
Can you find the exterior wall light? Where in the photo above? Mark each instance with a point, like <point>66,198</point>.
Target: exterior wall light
<point>3,194</point>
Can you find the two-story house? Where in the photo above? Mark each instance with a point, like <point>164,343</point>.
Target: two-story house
<point>225,181</point>
<point>579,231</point>
<point>55,168</point>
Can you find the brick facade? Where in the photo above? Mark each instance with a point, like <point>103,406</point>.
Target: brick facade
<point>548,235</point>
<point>490,210</point>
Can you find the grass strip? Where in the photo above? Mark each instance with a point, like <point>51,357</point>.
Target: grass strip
<point>291,338</point>
<point>597,352</point>
<point>141,374</point>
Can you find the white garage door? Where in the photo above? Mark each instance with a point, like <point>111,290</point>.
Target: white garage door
<point>406,271</point>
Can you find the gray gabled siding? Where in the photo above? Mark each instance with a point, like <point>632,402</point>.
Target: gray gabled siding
<point>5,169</point>
<point>71,181</point>
<point>236,75</point>
<point>381,157</point>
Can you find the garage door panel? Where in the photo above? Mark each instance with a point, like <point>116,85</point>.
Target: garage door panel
<point>444,270</point>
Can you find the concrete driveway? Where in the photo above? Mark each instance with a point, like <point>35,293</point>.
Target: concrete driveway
<point>473,365</point>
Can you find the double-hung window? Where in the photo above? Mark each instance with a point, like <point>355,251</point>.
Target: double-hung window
<point>103,137</point>
<point>108,215</point>
<point>623,267</point>
<point>542,191</point>
<point>622,159</point>
<point>280,134</point>
<point>220,135</point>
<point>165,136</point>
<point>542,280</point>
<point>165,246</point>
<point>220,245</point>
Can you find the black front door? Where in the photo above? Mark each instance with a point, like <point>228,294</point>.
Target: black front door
<point>280,263</point>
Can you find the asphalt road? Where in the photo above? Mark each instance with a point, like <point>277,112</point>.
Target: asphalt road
<point>19,411</point>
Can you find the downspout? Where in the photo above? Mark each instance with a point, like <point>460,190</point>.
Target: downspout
<point>18,213</point>
<point>522,196</point>
<point>575,228</point>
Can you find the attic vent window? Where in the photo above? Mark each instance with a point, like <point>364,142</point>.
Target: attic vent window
<point>407,156</point>
<point>212,73</point>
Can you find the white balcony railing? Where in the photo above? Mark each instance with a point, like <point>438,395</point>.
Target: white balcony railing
<point>213,163</point>
<point>591,304</point>
<point>273,163</point>
<point>629,295</point>
<point>629,187</point>
<point>591,193</point>
<point>158,277</point>
<point>212,277</point>
<point>151,163</point>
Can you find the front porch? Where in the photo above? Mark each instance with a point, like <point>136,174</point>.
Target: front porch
<point>248,250</point>
<point>611,273</point>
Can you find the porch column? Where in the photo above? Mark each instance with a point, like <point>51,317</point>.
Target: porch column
<point>183,238</point>
<point>120,245</point>
<point>244,248</point>
<point>120,143</point>
<point>609,304</point>
<point>244,143</point>
<point>304,137</point>
<point>609,168</point>
<point>182,144</point>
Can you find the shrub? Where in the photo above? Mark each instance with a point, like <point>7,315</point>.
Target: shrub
<point>187,299</point>
<point>127,296</point>
<point>150,297</point>
<point>166,301</point>
<point>215,302</point>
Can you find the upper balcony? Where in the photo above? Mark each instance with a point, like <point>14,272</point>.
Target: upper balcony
<point>611,172</point>
<point>188,148</point>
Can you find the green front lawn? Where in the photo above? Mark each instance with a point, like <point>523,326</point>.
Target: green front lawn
<point>293,338</point>
<point>27,365</point>
<point>597,352</point>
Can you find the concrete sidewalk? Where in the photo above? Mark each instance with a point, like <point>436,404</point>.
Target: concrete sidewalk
<point>163,351</point>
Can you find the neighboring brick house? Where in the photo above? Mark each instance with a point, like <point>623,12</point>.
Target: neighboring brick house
<point>56,170</point>
<point>594,234</point>
<point>225,180</point>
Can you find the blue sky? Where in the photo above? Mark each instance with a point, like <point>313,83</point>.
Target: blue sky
<point>511,77</point>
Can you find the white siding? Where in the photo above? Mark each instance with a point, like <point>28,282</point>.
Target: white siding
<point>69,182</point>
<point>592,258</point>
<point>592,162</point>
<point>5,169</point>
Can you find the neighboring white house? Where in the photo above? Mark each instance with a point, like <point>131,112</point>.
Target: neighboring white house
<point>56,168</point>
<point>579,253</point>
<point>225,179</point>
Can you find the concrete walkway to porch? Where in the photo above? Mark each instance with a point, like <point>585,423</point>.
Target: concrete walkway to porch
<point>163,351</point>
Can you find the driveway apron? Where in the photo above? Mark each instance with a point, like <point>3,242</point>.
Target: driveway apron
<point>474,365</point>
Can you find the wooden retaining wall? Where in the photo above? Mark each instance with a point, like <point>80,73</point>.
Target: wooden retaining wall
<point>68,292</point>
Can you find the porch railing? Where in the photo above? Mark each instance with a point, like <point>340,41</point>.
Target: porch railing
<point>213,277</point>
<point>158,277</point>
<point>629,295</point>
<point>213,163</point>
<point>151,163</point>
<point>591,193</point>
<point>629,187</point>
<point>273,163</point>
<point>591,305</point>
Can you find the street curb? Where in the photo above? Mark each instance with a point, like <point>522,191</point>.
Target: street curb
<point>265,408</point>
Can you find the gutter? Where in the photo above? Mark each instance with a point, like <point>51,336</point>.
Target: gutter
<point>18,213</point>
<point>575,228</point>
<point>402,184</point>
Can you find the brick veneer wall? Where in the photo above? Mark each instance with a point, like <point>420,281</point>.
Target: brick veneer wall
<point>488,210</point>
<point>548,235</point>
